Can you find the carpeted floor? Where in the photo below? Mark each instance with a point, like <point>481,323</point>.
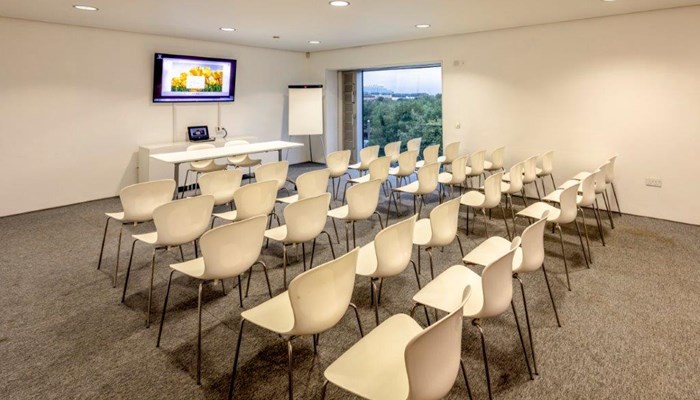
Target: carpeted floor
<point>630,325</point>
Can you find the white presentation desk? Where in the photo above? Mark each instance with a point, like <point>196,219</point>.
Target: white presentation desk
<point>179,157</point>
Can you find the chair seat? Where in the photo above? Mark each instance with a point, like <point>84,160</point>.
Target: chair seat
<point>422,232</point>
<point>488,165</point>
<point>367,260</point>
<point>472,199</point>
<point>228,215</point>
<point>570,183</point>
<point>275,315</point>
<point>395,171</point>
<point>289,199</point>
<point>374,367</point>
<point>410,188</point>
<point>357,166</point>
<point>468,171</point>
<point>536,210</point>
<point>506,188</point>
<point>119,216</point>
<point>581,176</point>
<point>150,237</point>
<point>445,291</point>
<point>442,159</point>
<point>506,177</point>
<point>539,172</point>
<point>210,168</point>
<point>278,233</point>
<point>340,212</point>
<point>193,268</point>
<point>246,162</point>
<point>360,179</point>
<point>488,251</point>
<point>555,196</point>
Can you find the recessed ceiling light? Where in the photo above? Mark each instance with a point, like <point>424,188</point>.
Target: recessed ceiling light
<point>314,42</point>
<point>608,1</point>
<point>339,3</point>
<point>275,37</point>
<point>85,8</point>
<point>423,26</point>
<point>225,29</point>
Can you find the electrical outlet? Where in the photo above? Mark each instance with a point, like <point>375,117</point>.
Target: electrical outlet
<point>458,125</point>
<point>653,182</point>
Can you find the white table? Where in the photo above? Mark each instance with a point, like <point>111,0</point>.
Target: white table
<point>179,157</point>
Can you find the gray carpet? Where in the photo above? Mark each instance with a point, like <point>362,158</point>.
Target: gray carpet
<point>630,325</point>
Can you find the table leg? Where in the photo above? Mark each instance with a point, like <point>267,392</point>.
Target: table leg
<point>177,179</point>
<point>279,155</point>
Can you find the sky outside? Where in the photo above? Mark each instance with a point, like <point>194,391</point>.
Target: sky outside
<point>415,80</point>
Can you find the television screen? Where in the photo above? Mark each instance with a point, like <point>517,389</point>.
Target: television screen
<point>193,79</point>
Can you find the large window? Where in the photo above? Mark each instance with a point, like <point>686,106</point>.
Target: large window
<point>401,104</point>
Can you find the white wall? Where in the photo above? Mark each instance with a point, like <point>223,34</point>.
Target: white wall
<point>75,104</point>
<point>588,89</point>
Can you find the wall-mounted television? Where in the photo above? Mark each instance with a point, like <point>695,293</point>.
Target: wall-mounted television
<point>183,79</point>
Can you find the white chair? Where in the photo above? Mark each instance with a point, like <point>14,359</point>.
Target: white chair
<point>138,202</point>
<point>309,184</point>
<point>304,220</point>
<point>222,185</point>
<point>529,176</point>
<point>387,255</point>
<point>392,150</point>
<point>337,163</point>
<point>449,154</point>
<point>610,179</point>
<point>439,230</point>
<point>201,167</point>
<point>400,360</point>
<point>315,302</point>
<point>430,156</point>
<point>252,200</point>
<point>601,190</point>
<point>566,214</point>
<point>276,171</point>
<point>406,167</point>
<point>227,252</point>
<point>362,205</point>
<point>378,169</point>
<point>476,167</point>
<point>547,165</point>
<point>413,144</point>
<point>515,185</point>
<point>491,198</point>
<point>490,295</point>
<point>496,162</point>
<point>455,177</point>
<point>367,155</point>
<point>243,161</point>
<point>177,223</point>
<point>529,257</point>
<point>426,183</point>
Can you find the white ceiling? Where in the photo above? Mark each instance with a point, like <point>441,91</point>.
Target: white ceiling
<point>298,21</point>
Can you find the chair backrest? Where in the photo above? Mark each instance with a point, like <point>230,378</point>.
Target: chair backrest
<point>320,296</point>
<point>451,152</point>
<point>367,155</point>
<point>407,162</point>
<point>599,178</point>
<point>237,159</point>
<point>312,183</point>
<point>428,178</point>
<point>476,161</point>
<point>200,164</point>
<point>433,356</point>
<point>567,204</point>
<point>392,150</point>
<point>431,153</point>
<point>255,199</point>
<point>379,168</point>
<point>530,170</point>
<point>413,144</point>
<point>139,200</point>
<point>588,190</point>
<point>532,245</point>
<point>276,171</point>
<point>337,162</point>
<point>516,178</point>
<point>547,162</point>
<point>459,169</point>
<point>492,190</point>
<point>393,246</point>
<point>221,184</point>
<point>497,158</point>
<point>231,249</point>
<point>443,222</point>
<point>306,218</point>
<point>182,221</point>
<point>610,171</point>
<point>363,199</point>
<point>497,285</point>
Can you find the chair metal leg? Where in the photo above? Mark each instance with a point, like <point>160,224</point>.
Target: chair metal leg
<point>583,248</point>
<point>102,248</point>
<point>379,218</point>
<point>485,355</point>
<point>182,254</point>
<point>347,238</point>
<point>235,360</point>
<point>486,222</point>
<point>196,249</point>
<point>165,307</point>
<point>284,266</point>
<point>419,263</point>
<point>199,332</point>
<point>539,196</point>
<point>527,320</point>
<point>466,381</point>
<point>335,228</point>
<point>150,289</point>
<point>607,208</point>
<point>585,231</point>
<point>323,389</point>
<point>505,221</point>
<point>128,269</point>
<point>599,222</point>
<point>303,255</point>
<point>357,317</point>
<point>375,300</point>
<point>459,241</point>
<point>119,250</point>
<point>330,243</point>
<point>290,366</point>
<point>354,241</point>
<point>551,296</point>
<point>240,291</point>
<point>619,211</point>
<point>563,255</point>
<point>223,287</point>
<point>522,341</point>
<point>554,185</point>
<point>430,257</point>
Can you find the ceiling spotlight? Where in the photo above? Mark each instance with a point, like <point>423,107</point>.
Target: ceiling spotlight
<point>423,26</point>
<point>314,42</point>
<point>275,37</point>
<point>85,8</point>
<point>225,29</point>
<point>339,3</point>
<point>608,1</point>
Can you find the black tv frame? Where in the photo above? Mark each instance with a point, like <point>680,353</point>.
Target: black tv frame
<point>158,81</point>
